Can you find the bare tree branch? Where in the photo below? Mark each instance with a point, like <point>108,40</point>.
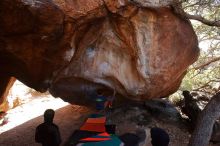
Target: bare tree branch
<point>205,38</point>
<point>176,5</point>
<point>205,85</point>
<point>207,63</point>
<point>203,20</point>
<point>196,3</point>
<point>199,3</point>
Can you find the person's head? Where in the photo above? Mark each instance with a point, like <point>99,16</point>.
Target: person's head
<point>159,137</point>
<point>48,115</point>
<point>187,96</point>
<point>186,93</point>
<point>99,92</point>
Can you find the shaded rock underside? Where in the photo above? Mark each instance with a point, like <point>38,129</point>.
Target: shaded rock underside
<point>73,48</point>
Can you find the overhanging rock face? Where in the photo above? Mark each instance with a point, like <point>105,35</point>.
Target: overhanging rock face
<point>73,48</point>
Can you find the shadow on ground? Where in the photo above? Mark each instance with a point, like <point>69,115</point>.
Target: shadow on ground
<point>68,118</point>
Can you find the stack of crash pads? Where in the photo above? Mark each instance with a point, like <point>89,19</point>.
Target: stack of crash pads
<point>105,140</point>
<point>95,123</point>
<point>93,133</point>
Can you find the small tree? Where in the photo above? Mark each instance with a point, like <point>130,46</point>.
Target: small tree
<point>204,75</point>
<point>205,122</point>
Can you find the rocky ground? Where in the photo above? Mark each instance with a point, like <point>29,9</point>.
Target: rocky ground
<point>128,118</point>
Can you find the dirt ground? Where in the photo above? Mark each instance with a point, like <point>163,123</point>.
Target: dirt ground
<point>68,118</point>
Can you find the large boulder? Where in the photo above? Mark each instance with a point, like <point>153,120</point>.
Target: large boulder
<point>73,48</point>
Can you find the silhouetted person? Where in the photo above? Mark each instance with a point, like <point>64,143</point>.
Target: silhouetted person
<point>146,137</point>
<point>159,137</point>
<point>190,108</point>
<point>100,100</point>
<point>48,133</point>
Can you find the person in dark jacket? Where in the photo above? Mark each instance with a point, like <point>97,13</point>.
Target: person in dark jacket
<point>159,137</point>
<point>190,108</point>
<point>48,133</point>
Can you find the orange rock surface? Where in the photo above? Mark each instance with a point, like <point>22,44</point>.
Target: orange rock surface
<point>73,48</point>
